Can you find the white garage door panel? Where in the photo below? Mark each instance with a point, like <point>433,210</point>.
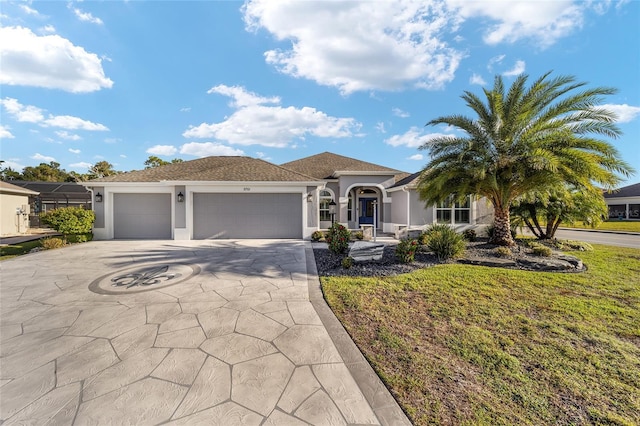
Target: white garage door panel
<point>247,216</point>
<point>144,216</point>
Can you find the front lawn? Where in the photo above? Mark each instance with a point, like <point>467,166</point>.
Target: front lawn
<point>13,250</point>
<point>460,344</point>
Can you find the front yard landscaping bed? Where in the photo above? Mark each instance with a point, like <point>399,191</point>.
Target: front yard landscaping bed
<point>465,344</point>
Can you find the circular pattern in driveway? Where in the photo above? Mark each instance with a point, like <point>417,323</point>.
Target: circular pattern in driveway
<point>144,277</point>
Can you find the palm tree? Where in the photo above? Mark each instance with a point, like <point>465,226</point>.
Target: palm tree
<point>524,139</point>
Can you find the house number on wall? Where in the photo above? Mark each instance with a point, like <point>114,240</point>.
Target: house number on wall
<point>247,189</point>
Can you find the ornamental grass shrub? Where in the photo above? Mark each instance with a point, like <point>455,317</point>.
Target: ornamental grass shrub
<point>338,238</point>
<point>444,241</point>
<point>317,236</point>
<point>52,243</point>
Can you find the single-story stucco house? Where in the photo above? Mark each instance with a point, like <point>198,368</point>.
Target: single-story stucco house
<point>14,209</point>
<point>243,197</point>
<point>624,203</point>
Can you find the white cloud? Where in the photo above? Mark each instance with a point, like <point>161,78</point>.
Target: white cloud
<point>74,151</point>
<point>29,10</point>
<point>253,123</point>
<point>416,157</point>
<point>48,29</point>
<point>40,157</point>
<point>112,140</point>
<point>86,16</point>
<point>412,138</point>
<point>625,113</point>
<point>185,109</point>
<point>477,79</point>
<point>399,113</point>
<point>48,61</point>
<point>13,164</point>
<point>81,165</point>
<point>205,149</point>
<point>380,127</point>
<point>73,123</point>
<point>5,133</point>
<point>358,46</point>
<point>164,150</point>
<point>68,136</point>
<point>123,156</point>
<point>518,68</point>
<point>22,113</point>
<point>495,60</point>
<point>544,22</point>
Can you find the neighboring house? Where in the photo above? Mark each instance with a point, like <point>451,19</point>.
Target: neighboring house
<point>14,209</point>
<point>242,197</point>
<point>624,203</point>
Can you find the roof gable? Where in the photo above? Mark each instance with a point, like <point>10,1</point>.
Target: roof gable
<point>221,169</point>
<point>327,165</point>
<point>7,188</point>
<point>625,191</point>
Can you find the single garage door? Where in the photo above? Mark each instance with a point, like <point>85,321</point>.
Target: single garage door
<point>247,216</point>
<point>144,216</point>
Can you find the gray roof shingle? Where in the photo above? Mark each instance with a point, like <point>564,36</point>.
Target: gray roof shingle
<point>625,191</point>
<point>326,164</point>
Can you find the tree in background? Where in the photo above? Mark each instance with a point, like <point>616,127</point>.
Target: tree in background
<point>543,211</point>
<point>45,173</point>
<point>154,161</point>
<point>101,169</point>
<point>523,139</point>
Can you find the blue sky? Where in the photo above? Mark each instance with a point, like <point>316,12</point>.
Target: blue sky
<point>83,82</point>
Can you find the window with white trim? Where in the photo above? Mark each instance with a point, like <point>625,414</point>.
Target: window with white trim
<point>453,212</point>
<point>325,199</point>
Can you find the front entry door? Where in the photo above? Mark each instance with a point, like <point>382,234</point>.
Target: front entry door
<point>366,211</point>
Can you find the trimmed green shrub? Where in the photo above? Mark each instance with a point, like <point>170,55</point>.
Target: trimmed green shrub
<point>540,249</point>
<point>347,262</point>
<point>469,235</point>
<point>338,238</point>
<point>69,220</point>
<point>444,241</point>
<point>317,236</point>
<point>79,238</point>
<point>52,243</point>
<point>406,250</point>
<point>503,251</point>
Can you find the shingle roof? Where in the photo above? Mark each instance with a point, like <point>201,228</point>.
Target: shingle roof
<point>625,191</point>
<point>407,180</point>
<point>222,169</point>
<point>326,164</point>
<point>7,188</point>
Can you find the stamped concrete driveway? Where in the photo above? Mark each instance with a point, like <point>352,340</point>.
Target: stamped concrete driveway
<point>197,332</point>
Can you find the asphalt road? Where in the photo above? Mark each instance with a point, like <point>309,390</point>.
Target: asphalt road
<point>598,237</point>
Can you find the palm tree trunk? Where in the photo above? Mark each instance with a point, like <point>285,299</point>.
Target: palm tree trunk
<point>502,227</point>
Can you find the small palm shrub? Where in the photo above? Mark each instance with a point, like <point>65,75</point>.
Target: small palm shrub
<point>338,238</point>
<point>52,243</point>
<point>317,236</point>
<point>406,250</point>
<point>444,241</point>
<point>347,262</point>
<point>540,249</point>
<point>469,235</point>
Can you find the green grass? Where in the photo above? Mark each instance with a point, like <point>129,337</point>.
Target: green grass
<point>7,252</point>
<point>460,344</point>
<point>610,225</point>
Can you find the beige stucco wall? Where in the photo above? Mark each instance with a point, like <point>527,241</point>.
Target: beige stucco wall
<point>12,223</point>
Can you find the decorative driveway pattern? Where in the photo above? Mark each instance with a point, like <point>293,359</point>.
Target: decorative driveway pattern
<point>243,338</point>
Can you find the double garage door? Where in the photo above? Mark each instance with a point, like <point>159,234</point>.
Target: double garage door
<point>247,216</point>
<point>148,216</point>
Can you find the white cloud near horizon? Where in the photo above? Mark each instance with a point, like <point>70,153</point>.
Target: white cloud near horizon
<point>416,157</point>
<point>86,16</point>
<point>40,157</point>
<point>164,150</point>
<point>205,149</point>
<point>360,46</point>
<point>48,61</point>
<point>13,165</point>
<point>81,165</point>
<point>33,114</point>
<point>412,138</point>
<point>74,151</point>
<point>5,133</point>
<point>518,68</point>
<point>262,121</point>
<point>624,113</point>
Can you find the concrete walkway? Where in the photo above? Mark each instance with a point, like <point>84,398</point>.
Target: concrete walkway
<point>196,332</point>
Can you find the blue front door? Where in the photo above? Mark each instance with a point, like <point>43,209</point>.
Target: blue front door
<point>366,211</point>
